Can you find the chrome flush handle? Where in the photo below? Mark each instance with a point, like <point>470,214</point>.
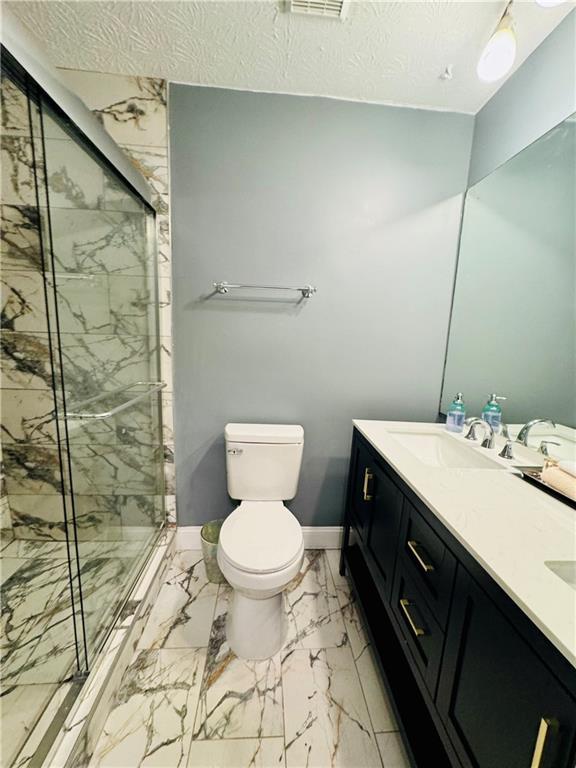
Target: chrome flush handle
<point>235,451</point>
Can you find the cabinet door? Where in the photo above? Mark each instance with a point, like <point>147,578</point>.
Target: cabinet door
<point>501,705</point>
<point>386,516</point>
<point>363,467</point>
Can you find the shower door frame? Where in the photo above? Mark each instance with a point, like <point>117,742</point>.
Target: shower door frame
<point>38,96</point>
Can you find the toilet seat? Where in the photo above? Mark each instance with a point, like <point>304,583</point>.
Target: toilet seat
<point>261,537</point>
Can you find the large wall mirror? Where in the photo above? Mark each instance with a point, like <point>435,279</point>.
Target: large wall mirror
<point>513,326</point>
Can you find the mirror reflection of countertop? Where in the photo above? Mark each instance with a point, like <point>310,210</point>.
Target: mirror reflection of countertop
<point>511,528</point>
<point>561,434</point>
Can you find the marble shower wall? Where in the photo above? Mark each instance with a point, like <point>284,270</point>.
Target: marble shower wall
<point>134,112</point>
<point>27,398</point>
<point>104,319</point>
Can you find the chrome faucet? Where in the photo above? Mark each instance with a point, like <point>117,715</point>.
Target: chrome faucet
<point>523,434</point>
<point>488,441</point>
<point>507,451</point>
<point>543,449</point>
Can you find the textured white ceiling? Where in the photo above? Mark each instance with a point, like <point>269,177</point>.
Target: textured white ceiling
<point>386,52</point>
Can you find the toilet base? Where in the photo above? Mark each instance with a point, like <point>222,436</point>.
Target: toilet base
<point>256,629</point>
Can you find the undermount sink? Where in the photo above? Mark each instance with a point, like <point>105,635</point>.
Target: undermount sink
<point>565,569</point>
<point>440,450</point>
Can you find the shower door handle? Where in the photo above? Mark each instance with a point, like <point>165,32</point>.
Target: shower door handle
<point>156,387</point>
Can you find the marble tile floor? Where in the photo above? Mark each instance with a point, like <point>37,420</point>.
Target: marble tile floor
<point>186,701</point>
<point>36,630</point>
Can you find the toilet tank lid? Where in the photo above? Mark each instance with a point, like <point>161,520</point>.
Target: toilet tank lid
<point>264,433</point>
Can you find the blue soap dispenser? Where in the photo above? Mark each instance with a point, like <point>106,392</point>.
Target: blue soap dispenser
<point>456,414</point>
<point>492,412</point>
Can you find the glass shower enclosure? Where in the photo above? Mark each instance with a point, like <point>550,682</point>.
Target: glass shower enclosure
<point>82,500</point>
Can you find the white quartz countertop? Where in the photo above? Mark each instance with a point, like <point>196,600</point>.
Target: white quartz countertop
<point>510,527</point>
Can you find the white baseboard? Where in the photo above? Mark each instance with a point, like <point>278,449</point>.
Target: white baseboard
<point>315,537</point>
<point>322,536</point>
<point>188,537</point>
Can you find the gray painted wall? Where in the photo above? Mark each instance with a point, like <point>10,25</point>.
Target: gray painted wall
<point>513,325</point>
<point>538,96</point>
<point>362,201</point>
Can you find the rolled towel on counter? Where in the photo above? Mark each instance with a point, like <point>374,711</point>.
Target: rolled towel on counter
<point>568,466</point>
<point>560,480</point>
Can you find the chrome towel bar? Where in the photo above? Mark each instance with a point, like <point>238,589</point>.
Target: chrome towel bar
<point>155,386</point>
<point>307,290</point>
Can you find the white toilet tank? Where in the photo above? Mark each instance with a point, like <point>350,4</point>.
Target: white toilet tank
<point>263,461</point>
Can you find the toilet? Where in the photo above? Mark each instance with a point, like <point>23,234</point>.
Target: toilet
<point>261,545</point>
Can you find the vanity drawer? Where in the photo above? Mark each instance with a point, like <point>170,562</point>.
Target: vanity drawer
<point>429,562</point>
<point>423,635</point>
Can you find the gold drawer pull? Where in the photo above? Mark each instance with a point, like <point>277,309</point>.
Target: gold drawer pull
<point>368,477</point>
<point>405,604</point>
<point>541,739</point>
<point>413,547</point>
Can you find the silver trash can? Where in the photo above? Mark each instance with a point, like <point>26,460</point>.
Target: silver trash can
<point>209,535</point>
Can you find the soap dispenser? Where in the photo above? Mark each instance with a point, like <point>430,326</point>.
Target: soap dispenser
<point>492,412</point>
<point>456,414</point>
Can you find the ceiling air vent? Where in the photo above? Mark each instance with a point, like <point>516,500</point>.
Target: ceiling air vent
<point>331,9</point>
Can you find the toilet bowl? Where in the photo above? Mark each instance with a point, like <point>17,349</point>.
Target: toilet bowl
<point>260,552</point>
<point>261,545</point>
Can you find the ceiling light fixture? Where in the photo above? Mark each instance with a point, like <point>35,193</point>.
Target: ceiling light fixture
<point>498,56</point>
<point>549,3</point>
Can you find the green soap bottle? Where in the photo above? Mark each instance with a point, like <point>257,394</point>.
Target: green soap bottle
<point>492,412</point>
<point>456,414</point>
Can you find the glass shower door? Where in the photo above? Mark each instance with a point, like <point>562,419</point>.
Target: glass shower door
<point>41,641</point>
<point>82,483</point>
<point>104,307</point>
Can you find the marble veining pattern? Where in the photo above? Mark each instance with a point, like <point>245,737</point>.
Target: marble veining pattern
<point>25,360</point>
<point>379,707</point>
<point>238,698</point>
<point>134,112</point>
<point>314,616</point>
<point>151,719</point>
<point>308,706</point>
<point>37,626</point>
<point>19,238</point>
<point>183,613</point>
<point>37,633</point>
<point>14,112</point>
<point>34,737</point>
<point>18,185</point>
<point>18,712</point>
<point>327,721</point>
<point>86,718</point>
<point>106,298</point>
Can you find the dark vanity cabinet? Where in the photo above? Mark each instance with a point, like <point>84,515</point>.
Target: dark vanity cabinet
<point>376,508</point>
<point>362,473</point>
<point>474,683</point>
<point>501,705</point>
<point>385,524</point>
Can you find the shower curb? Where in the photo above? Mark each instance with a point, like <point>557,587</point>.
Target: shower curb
<point>74,745</point>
